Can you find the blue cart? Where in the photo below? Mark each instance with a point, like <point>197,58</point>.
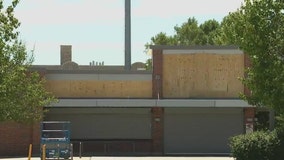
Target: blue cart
<point>55,140</point>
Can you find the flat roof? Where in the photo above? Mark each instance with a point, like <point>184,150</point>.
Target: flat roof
<point>195,47</point>
<point>88,69</point>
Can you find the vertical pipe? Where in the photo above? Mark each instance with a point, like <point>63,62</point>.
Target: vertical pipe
<point>30,152</point>
<point>127,42</point>
<point>71,151</point>
<point>58,151</point>
<point>43,152</point>
<point>80,150</point>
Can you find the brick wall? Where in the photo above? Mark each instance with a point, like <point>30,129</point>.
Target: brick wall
<point>249,115</point>
<point>157,80</point>
<point>35,139</point>
<point>15,139</point>
<point>65,53</point>
<point>157,130</point>
<point>157,93</point>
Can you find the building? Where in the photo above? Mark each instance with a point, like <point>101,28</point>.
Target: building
<point>188,104</point>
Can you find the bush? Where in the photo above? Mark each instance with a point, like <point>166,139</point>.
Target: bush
<point>260,145</point>
<point>280,149</point>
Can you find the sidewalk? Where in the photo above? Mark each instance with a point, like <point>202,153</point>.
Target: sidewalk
<point>135,158</point>
<point>162,158</point>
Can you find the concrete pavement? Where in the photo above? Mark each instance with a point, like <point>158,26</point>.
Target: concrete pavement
<point>162,158</point>
<point>134,158</point>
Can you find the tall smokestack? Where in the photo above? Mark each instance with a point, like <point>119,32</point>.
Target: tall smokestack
<point>127,42</point>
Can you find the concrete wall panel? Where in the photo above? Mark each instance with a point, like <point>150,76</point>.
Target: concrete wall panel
<point>200,130</point>
<point>105,123</point>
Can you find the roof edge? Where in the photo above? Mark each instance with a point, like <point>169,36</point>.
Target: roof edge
<point>195,47</point>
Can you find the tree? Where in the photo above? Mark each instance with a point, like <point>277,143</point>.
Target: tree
<point>210,29</point>
<point>189,33</point>
<point>22,92</point>
<point>257,27</point>
<point>160,39</point>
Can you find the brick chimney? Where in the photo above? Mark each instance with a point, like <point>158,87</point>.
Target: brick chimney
<point>65,53</point>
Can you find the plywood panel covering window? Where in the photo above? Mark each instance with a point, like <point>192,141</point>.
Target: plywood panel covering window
<point>100,89</point>
<point>202,75</point>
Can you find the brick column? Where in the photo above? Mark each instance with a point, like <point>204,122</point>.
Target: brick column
<point>14,139</point>
<point>65,54</point>
<point>157,80</point>
<point>249,115</point>
<point>157,130</point>
<point>35,139</point>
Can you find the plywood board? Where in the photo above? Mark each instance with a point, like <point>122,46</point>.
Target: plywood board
<point>100,89</point>
<point>202,75</point>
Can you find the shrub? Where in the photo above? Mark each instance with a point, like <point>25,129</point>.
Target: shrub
<point>260,145</point>
<point>279,153</point>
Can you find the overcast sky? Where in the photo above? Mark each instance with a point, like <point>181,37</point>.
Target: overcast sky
<point>95,28</point>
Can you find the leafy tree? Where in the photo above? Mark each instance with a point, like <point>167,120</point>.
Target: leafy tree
<point>189,33</point>
<point>257,27</point>
<point>210,31</point>
<point>149,64</point>
<point>22,92</point>
<point>163,39</point>
<point>160,39</point>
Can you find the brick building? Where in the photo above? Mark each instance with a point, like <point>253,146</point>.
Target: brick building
<point>188,104</point>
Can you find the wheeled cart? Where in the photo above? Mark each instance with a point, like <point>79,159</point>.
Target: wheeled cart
<point>55,140</point>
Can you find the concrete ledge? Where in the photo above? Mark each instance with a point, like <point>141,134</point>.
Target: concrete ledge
<point>150,103</point>
<point>185,103</point>
<point>75,103</point>
<point>230,103</point>
<point>126,103</point>
<point>100,77</point>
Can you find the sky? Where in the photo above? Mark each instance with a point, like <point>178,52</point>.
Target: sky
<point>95,28</point>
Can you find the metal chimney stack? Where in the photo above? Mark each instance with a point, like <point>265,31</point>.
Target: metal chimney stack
<point>127,42</point>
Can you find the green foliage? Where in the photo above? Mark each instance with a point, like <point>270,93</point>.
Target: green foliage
<point>210,29</point>
<point>257,27</point>
<point>262,123</point>
<point>22,92</point>
<point>260,145</point>
<point>279,154</point>
<point>149,64</point>
<point>8,24</point>
<point>189,33</point>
